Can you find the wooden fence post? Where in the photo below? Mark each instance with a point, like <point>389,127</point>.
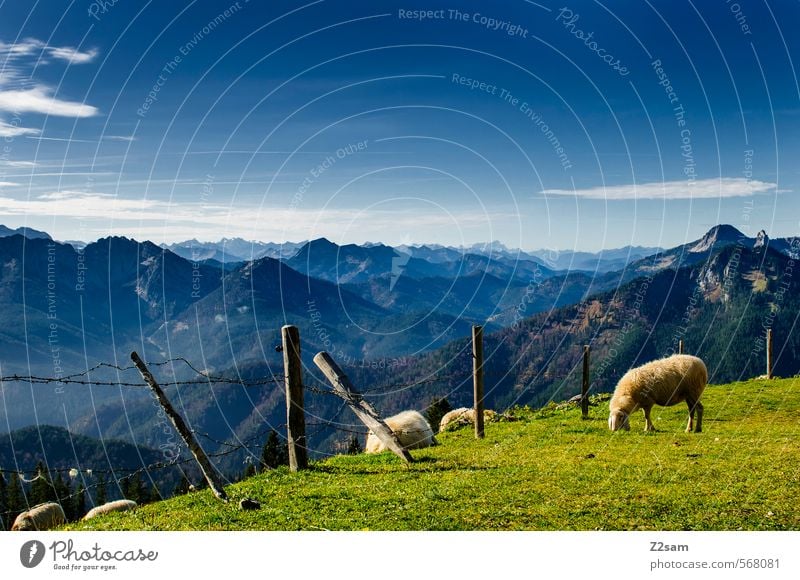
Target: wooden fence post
<point>295,409</point>
<point>769,353</point>
<point>212,476</point>
<point>585,384</point>
<point>363,410</point>
<point>680,346</point>
<point>477,379</point>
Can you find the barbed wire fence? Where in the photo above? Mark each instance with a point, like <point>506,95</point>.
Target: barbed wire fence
<point>92,477</point>
<point>321,426</point>
<point>117,478</point>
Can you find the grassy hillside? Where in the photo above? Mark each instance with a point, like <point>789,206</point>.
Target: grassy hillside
<point>548,471</point>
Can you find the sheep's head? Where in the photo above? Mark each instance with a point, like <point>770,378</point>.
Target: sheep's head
<point>619,420</point>
<point>23,523</point>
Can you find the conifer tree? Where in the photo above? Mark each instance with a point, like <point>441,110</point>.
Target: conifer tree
<point>63,490</point>
<point>155,494</point>
<point>182,487</point>
<point>275,453</point>
<point>125,487</point>
<point>354,448</point>
<point>42,489</point>
<point>436,410</point>
<point>15,499</point>
<point>135,489</point>
<point>79,502</point>
<point>101,495</point>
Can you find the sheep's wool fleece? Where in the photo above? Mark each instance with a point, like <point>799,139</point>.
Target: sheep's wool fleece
<point>120,505</point>
<point>663,382</point>
<point>45,516</point>
<point>411,429</point>
<point>463,416</point>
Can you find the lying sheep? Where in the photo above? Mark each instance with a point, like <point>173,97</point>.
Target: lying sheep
<point>411,428</point>
<point>42,517</point>
<point>664,382</point>
<point>120,505</point>
<point>463,416</point>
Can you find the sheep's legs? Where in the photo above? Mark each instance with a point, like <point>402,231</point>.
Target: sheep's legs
<point>695,406</point>
<point>648,424</point>
<point>699,408</point>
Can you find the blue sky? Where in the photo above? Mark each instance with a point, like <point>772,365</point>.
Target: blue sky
<point>541,125</point>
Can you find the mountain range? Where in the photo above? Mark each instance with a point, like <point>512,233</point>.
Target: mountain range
<point>228,250</point>
<point>717,295</point>
<point>23,231</point>
<point>63,309</point>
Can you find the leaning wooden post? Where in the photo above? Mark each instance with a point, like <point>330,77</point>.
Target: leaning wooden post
<point>769,353</point>
<point>477,379</point>
<point>363,410</point>
<point>585,384</point>
<point>680,346</point>
<point>212,476</point>
<point>295,410</point>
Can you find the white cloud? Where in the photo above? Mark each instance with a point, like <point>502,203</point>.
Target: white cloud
<point>62,195</point>
<point>667,190</point>
<point>8,130</point>
<point>18,164</point>
<point>63,139</point>
<point>125,138</point>
<point>31,47</point>
<point>76,204</point>
<point>72,55</point>
<point>40,99</point>
<point>20,94</point>
<point>8,184</point>
<point>160,220</point>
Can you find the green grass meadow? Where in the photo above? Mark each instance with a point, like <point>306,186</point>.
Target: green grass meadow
<point>549,470</point>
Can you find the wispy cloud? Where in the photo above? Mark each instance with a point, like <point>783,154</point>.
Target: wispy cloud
<point>8,184</point>
<point>9,130</point>
<point>40,99</point>
<point>20,93</point>
<point>63,139</point>
<point>78,204</point>
<point>65,195</point>
<point>124,138</point>
<point>32,47</point>
<point>667,190</point>
<point>155,218</point>
<point>71,55</point>
<point>17,164</point>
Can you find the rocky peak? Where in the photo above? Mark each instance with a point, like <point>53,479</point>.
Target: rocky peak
<point>762,239</point>
<point>721,235</point>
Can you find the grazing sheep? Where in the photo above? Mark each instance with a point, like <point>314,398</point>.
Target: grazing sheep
<point>411,428</point>
<point>120,505</point>
<point>463,416</point>
<point>45,516</point>
<point>664,382</point>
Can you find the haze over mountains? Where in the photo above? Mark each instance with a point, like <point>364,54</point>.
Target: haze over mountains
<point>389,315</point>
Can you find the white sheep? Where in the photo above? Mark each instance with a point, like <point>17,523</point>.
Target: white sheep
<point>411,428</point>
<point>463,416</point>
<point>45,516</point>
<point>120,505</point>
<point>665,382</point>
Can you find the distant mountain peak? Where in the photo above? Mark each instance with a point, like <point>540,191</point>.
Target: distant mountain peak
<point>29,233</point>
<point>722,233</point>
<point>321,242</point>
